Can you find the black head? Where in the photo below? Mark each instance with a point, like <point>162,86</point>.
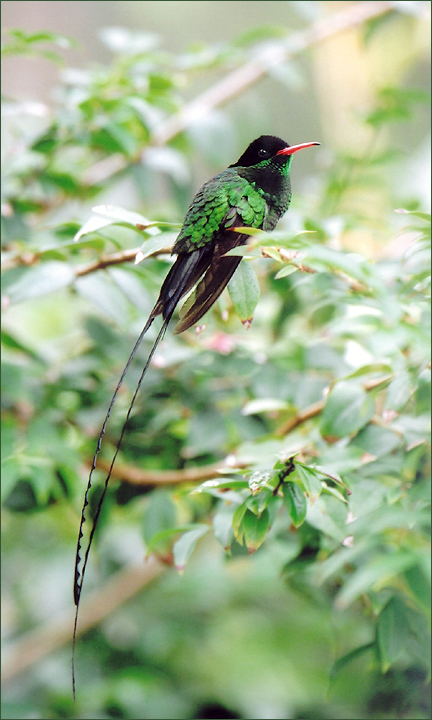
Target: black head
<point>267,147</point>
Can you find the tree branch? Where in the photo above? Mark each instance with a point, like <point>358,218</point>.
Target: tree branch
<point>117,258</point>
<point>243,77</point>
<point>104,261</point>
<point>316,408</point>
<point>47,638</point>
<point>137,476</point>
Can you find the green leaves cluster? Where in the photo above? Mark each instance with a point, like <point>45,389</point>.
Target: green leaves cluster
<point>321,409</point>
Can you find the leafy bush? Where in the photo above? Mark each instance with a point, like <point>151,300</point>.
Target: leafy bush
<point>304,439</point>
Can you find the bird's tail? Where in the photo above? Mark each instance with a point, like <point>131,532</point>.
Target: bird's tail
<point>182,276</point>
<point>79,573</point>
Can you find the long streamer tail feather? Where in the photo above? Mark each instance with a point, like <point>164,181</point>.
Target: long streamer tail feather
<point>182,276</point>
<point>79,575</point>
<point>184,273</point>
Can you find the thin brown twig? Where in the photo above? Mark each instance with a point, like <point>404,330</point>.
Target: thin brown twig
<point>316,408</point>
<point>104,261</point>
<point>117,258</point>
<point>137,476</point>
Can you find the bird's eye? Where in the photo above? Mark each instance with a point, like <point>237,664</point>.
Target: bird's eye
<point>262,153</point>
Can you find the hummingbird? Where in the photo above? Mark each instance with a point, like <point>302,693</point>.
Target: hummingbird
<point>253,192</point>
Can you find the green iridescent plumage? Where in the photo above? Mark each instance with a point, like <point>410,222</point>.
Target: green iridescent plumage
<point>216,206</point>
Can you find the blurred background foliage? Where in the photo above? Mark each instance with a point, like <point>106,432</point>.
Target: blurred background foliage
<point>329,618</point>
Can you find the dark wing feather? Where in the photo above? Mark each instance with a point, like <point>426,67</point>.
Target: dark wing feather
<point>183,275</point>
<point>219,272</point>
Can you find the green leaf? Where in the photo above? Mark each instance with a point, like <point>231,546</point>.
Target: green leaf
<point>380,570</point>
<point>262,405</point>
<point>258,502</point>
<point>11,472</point>
<point>286,270</point>
<point>271,252</point>
<point>8,341</point>
<point>345,660</point>
<point>310,479</point>
<point>154,245</point>
<point>130,283</point>
<point>253,232</point>
<point>185,545</point>
<point>257,481</point>
<point>399,391</point>
<point>258,34</point>
<point>161,538</point>
<point>333,491</point>
<point>101,291</point>
<point>237,520</point>
<point>41,280</point>
<point>321,257</point>
<point>392,631</point>
<point>254,529</point>
<point>370,369</point>
<point>348,408</point>
<point>92,225</point>
<point>377,441</point>
<point>125,216</point>
<point>160,515</point>
<point>331,474</point>
<point>244,292</point>
<point>328,516</point>
<point>223,524</point>
<point>63,41</point>
<point>9,457</point>
<point>423,216</point>
<point>243,251</point>
<point>295,502</point>
<point>419,585</point>
<point>211,486</point>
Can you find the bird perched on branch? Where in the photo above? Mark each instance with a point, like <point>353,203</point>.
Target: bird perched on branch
<point>253,192</point>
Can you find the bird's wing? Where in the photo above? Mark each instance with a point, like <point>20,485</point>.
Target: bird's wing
<point>183,275</point>
<point>225,202</point>
<point>219,271</point>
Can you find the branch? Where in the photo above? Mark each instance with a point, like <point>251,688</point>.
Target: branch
<point>116,259</point>
<point>316,408</point>
<point>28,259</point>
<point>243,77</point>
<point>47,638</point>
<point>137,476</point>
